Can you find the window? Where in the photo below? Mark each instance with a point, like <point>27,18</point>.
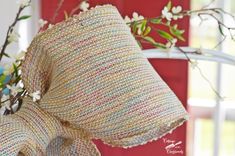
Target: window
<point>212,126</point>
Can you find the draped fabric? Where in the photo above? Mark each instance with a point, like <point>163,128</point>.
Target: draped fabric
<point>95,83</point>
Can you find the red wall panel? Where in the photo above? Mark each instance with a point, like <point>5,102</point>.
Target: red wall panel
<point>173,72</point>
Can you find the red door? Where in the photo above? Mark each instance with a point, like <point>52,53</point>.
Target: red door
<point>174,72</point>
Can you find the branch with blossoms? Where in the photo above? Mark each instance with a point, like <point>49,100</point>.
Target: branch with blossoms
<point>12,35</point>
<point>142,27</point>
<point>11,87</point>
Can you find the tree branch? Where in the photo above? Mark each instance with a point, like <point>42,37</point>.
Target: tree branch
<point>10,29</point>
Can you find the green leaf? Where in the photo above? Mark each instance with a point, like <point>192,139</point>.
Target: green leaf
<point>143,25</point>
<point>168,23</point>
<point>2,78</point>
<point>181,31</point>
<point>134,27</point>
<point>15,70</point>
<point>147,31</point>
<point>221,30</point>
<point>165,35</point>
<point>175,26</point>
<point>174,31</point>
<point>156,20</point>
<point>169,5</point>
<point>139,44</point>
<point>177,33</point>
<point>149,39</point>
<point>159,45</point>
<point>181,38</point>
<point>24,17</point>
<point>17,79</point>
<point>154,43</point>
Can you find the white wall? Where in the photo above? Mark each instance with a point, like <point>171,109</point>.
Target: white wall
<point>26,28</point>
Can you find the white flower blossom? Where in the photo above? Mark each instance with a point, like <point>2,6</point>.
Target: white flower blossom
<point>168,45</point>
<point>166,14</point>
<point>171,43</point>
<point>127,19</point>
<point>5,105</point>
<point>84,6</point>
<point>20,83</point>
<point>176,10</point>
<point>35,95</point>
<point>15,106</point>
<point>50,26</point>
<point>174,41</point>
<point>200,51</point>
<point>18,56</point>
<point>42,23</point>
<point>139,31</point>
<point>175,17</point>
<point>194,64</point>
<point>137,17</point>
<point>24,3</point>
<point>2,110</point>
<point>8,69</point>
<point>13,37</point>
<point>15,89</point>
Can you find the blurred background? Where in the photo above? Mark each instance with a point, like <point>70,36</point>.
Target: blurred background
<point>211,129</point>
<point>212,126</point>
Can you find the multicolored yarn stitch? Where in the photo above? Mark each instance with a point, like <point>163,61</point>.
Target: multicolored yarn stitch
<point>34,132</point>
<point>96,82</point>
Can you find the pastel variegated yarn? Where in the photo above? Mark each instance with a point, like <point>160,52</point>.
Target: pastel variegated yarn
<point>15,137</point>
<point>95,83</point>
<point>34,132</point>
<point>92,74</point>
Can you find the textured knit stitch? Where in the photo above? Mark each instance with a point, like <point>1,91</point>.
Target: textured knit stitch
<point>92,74</point>
<point>34,132</point>
<point>97,83</point>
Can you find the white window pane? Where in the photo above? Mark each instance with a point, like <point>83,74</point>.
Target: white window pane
<point>204,137</point>
<point>228,139</point>
<point>228,82</point>
<point>198,86</point>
